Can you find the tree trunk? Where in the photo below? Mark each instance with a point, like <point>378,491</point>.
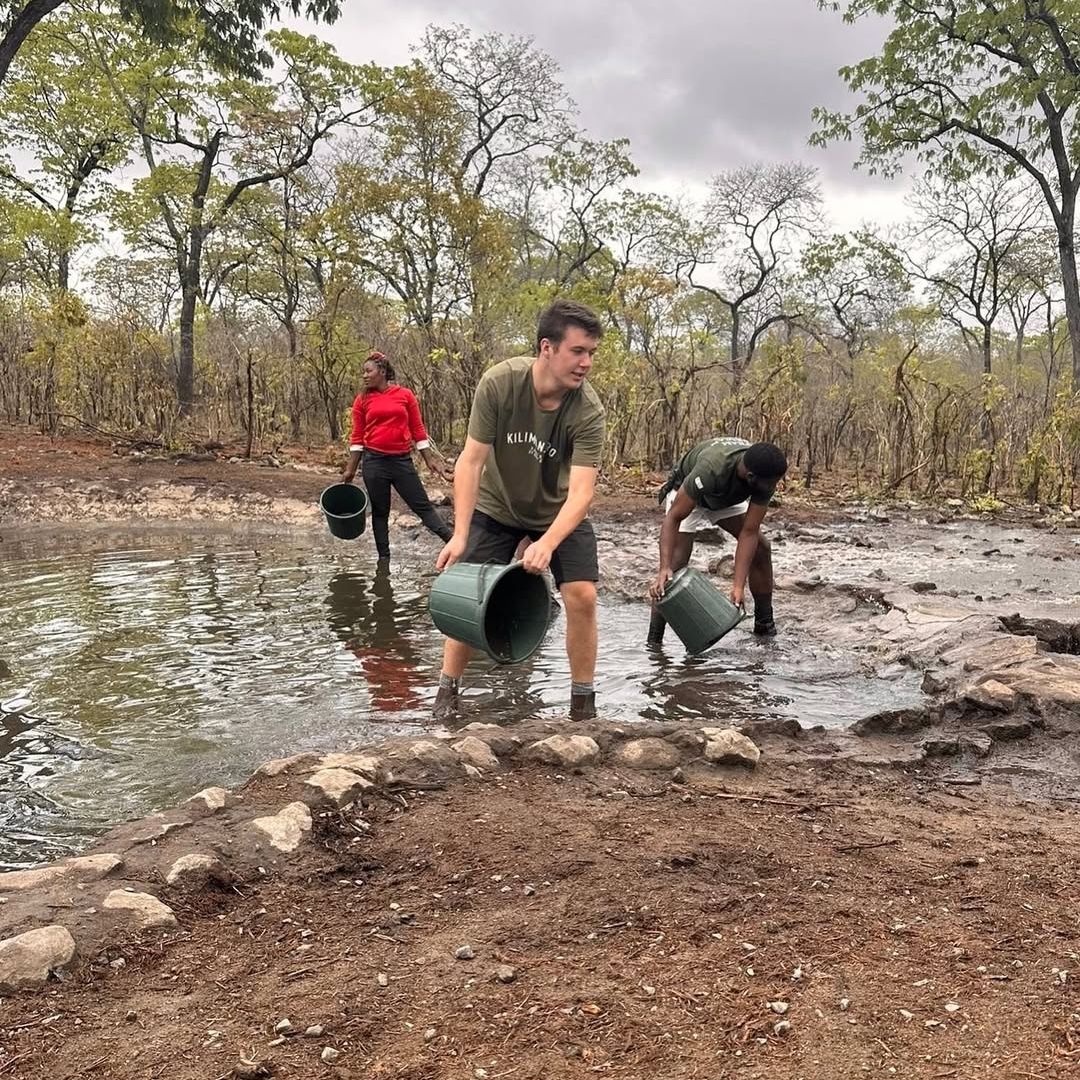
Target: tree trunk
<point>294,379</point>
<point>1070,285</point>
<point>185,368</point>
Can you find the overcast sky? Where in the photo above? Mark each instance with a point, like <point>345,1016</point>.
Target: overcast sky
<point>697,86</point>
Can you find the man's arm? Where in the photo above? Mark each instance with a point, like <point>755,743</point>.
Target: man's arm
<point>467,473</point>
<point>745,547</point>
<point>681,509</point>
<point>579,498</point>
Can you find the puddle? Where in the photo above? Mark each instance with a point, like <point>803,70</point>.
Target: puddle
<point>153,662</point>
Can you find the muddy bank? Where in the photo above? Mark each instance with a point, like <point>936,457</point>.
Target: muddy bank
<point>796,920</point>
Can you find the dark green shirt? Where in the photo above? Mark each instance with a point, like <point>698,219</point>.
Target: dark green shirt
<point>707,474</point>
<point>527,474</point>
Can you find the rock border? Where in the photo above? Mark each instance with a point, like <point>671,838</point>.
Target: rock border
<point>56,915</point>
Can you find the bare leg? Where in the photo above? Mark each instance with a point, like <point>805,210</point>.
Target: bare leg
<point>684,548</point>
<point>579,598</point>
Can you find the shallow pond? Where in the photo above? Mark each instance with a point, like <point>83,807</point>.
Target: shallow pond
<point>138,665</point>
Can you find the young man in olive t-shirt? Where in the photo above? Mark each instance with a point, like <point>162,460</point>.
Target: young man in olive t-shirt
<point>528,469</point>
<point>725,483</point>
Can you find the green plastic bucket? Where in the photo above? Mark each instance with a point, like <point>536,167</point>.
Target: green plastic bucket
<point>345,508</point>
<point>503,610</point>
<point>697,611</point>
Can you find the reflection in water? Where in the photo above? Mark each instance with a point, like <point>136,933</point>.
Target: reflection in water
<point>363,615</point>
<point>153,671</point>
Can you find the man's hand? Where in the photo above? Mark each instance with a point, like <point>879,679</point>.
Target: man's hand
<point>738,595</point>
<point>656,590</point>
<point>446,471</point>
<point>348,474</point>
<point>537,557</point>
<point>450,554</point>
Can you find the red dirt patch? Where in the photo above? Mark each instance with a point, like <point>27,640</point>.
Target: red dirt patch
<point>648,925</point>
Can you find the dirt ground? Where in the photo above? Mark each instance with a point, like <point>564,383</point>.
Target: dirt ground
<point>795,922</point>
<point>29,459</point>
<point>817,921</point>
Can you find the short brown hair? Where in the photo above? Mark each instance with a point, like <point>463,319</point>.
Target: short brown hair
<point>555,318</point>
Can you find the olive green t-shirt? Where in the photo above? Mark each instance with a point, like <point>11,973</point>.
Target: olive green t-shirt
<point>527,474</point>
<point>707,474</point>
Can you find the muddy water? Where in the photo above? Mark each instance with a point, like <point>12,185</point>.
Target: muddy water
<point>139,666</point>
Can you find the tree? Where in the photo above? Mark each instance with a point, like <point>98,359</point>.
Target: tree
<point>508,95</point>
<point>227,34</point>
<point>59,109</point>
<point>736,253</point>
<point>206,151</point>
<point>962,82</point>
<point>964,239</point>
<point>856,285</point>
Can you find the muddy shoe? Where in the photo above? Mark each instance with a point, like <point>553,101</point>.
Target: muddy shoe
<point>765,628</point>
<point>446,705</point>
<point>583,706</point>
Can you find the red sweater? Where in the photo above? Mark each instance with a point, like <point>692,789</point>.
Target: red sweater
<point>387,421</point>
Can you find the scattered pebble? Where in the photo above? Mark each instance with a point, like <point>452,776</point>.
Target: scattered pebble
<point>844,1004</point>
<point>383,979</point>
<point>315,1031</point>
<point>329,1054</point>
<point>779,1007</point>
<point>907,1015</point>
<point>530,890</point>
<point>505,974</point>
<point>464,952</point>
<point>781,1027</point>
<point>951,1007</point>
<point>796,975</point>
<point>283,1027</point>
<point>429,1034</point>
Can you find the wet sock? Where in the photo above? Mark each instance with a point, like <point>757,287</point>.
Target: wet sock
<point>578,688</point>
<point>448,681</point>
<point>763,612</point>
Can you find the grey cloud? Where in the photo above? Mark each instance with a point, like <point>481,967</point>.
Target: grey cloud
<point>697,87</point>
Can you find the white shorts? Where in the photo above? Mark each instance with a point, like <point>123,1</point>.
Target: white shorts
<point>700,519</point>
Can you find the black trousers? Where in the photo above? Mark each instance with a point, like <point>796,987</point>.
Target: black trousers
<point>381,472</point>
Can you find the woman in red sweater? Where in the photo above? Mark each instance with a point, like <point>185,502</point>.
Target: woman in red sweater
<point>386,424</point>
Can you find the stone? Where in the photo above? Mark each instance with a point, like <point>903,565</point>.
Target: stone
<point>935,682</point>
<point>505,973</point>
<point>464,952</point>
<point>497,737</point>
<point>943,746</point>
<point>213,798</point>
<point>473,773</point>
<point>476,752</point>
<point>779,1007</point>
<point>367,765</point>
<point>435,755</point>
<point>976,742</point>
<point>316,1031</point>
<point>339,787</point>
<point>648,754</point>
<point>786,726</point>
<point>148,910</point>
<point>728,747</point>
<point>329,1054</point>
<point>286,830</point>
<point>283,1027</point>
<point>83,867</point>
<point>1008,730</point>
<point>197,871</point>
<point>892,722</point>
<point>28,959</point>
<point>992,695</point>
<point>281,765</point>
<point>565,751</point>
